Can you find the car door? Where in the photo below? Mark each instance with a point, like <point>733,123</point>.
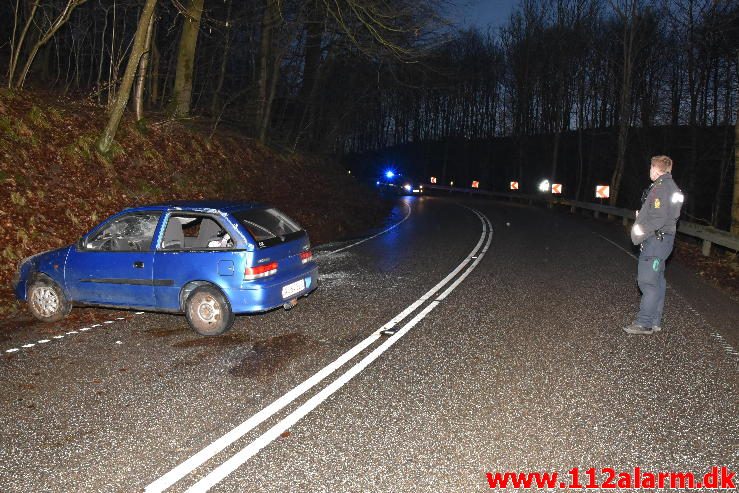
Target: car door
<point>194,247</point>
<point>114,264</point>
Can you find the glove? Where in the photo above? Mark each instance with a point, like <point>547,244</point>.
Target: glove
<point>637,234</point>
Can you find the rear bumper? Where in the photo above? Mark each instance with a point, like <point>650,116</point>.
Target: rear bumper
<point>261,298</point>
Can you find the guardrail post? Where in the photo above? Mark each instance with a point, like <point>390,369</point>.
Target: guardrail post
<point>596,214</point>
<point>706,248</point>
<point>572,209</point>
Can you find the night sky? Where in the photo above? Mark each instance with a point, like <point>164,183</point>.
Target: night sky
<point>484,13</point>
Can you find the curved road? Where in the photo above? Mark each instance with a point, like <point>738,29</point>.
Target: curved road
<point>503,352</point>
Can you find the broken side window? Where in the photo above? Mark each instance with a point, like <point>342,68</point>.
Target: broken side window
<point>186,232</point>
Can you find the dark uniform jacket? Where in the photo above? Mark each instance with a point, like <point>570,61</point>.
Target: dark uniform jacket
<point>660,210</point>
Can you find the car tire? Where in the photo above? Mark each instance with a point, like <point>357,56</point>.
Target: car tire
<point>47,301</point>
<point>208,312</point>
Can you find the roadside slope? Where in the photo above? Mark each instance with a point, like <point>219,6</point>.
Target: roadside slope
<point>54,186</point>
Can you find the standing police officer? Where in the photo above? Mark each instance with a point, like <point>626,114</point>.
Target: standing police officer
<point>654,230</point>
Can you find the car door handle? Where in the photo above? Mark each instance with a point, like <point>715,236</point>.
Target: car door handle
<point>138,265</point>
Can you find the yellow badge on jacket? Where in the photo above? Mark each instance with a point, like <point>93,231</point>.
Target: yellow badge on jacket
<point>657,203</point>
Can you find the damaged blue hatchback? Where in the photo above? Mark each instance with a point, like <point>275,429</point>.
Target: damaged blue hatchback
<point>210,260</point>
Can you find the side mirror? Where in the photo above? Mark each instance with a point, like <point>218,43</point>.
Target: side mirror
<point>81,243</point>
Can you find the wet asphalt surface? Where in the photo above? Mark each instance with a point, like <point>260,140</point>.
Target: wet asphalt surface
<point>523,366</point>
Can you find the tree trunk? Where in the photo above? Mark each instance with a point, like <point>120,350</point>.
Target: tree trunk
<point>269,20</point>
<point>224,63</point>
<point>631,24</point>
<point>555,154</point>
<point>124,92</point>
<point>16,48</point>
<point>186,58</point>
<point>314,28</point>
<point>267,112</point>
<point>138,96</point>
<point>735,203</point>
<point>154,76</point>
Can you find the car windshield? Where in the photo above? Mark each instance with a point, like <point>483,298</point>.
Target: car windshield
<point>269,226</point>
<point>126,233</point>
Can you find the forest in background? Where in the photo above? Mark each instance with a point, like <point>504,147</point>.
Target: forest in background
<point>576,91</point>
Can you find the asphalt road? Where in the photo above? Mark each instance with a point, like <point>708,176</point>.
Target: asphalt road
<point>508,355</point>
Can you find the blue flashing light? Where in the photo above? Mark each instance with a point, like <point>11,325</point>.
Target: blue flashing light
<point>389,174</point>
<point>378,182</point>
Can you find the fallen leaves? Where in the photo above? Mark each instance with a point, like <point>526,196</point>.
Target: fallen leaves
<point>54,192</point>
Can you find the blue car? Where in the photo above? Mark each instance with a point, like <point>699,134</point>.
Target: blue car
<point>210,260</point>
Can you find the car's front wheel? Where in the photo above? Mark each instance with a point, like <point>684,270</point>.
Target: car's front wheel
<point>47,302</point>
<point>208,311</point>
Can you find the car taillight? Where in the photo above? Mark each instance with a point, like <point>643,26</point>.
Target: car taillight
<point>260,271</point>
<point>306,257</point>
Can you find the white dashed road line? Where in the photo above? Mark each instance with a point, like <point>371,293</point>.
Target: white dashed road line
<point>85,329</point>
<point>61,336</point>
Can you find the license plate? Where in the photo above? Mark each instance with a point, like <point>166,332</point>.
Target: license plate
<point>293,288</point>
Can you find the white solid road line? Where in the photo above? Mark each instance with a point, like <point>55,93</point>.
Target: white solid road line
<point>618,246</point>
<point>270,435</point>
<point>214,448</point>
<point>186,467</point>
<point>208,452</point>
<point>376,235</point>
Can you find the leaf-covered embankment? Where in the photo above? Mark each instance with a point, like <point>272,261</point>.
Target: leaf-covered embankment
<point>54,187</point>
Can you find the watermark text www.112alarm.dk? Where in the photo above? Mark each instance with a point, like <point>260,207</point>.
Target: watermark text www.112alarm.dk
<point>718,478</point>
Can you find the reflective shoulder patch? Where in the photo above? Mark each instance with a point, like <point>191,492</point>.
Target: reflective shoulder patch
<point>677,198</point>
<point>657,203</point>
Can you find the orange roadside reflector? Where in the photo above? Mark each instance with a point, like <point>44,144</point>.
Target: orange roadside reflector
<point>475,184</point>
<point>602,192</point>
<point>433,179</point>
<point>557,188</point>
<point>514,185</point>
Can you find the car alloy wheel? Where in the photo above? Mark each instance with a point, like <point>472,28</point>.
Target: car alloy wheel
<point>45,301</point>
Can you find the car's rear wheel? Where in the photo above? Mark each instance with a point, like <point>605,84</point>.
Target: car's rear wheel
<point>208,311</point>
<point>46,301</point>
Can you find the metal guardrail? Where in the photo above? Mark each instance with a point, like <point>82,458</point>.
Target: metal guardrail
<point>708,234</point>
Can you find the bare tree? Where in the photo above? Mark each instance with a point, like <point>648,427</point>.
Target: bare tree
<point>124,92</point>
<point>138,97</point>
<point>630,14</point>
<point>44,38</point>
<point>186,58</point>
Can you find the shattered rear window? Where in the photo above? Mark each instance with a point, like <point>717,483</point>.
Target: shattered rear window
<point>269,226</point>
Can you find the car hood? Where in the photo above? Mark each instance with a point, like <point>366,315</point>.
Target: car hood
<point>44,261</point>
